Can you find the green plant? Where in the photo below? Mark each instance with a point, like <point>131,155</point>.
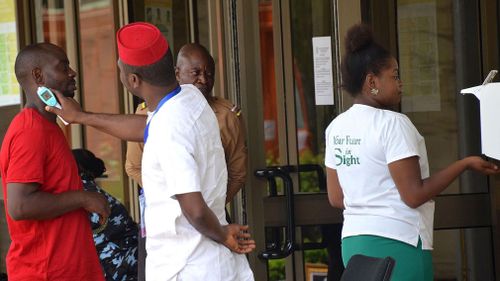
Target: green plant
<point>316,256</point>
<point>309,180</point>
<point>276,270</point>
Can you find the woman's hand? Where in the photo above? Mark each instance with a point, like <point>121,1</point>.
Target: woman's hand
<point>478,164</point>
<point>415,191</point>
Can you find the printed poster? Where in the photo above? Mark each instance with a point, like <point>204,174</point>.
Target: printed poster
<point>159,13</point>
<point>323,72</point>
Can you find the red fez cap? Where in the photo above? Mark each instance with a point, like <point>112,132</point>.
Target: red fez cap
<point>140,43</point>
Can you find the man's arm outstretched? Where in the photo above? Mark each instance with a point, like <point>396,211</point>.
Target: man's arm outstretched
<point>129,127</point>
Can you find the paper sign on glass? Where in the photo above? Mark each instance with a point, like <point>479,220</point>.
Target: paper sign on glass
<point>489,102</point>
<point>323,74</point>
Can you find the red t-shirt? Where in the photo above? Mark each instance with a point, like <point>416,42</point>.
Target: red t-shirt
<point>34,150</point>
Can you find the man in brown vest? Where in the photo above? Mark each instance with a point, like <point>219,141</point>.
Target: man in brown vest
<point>196,66</point>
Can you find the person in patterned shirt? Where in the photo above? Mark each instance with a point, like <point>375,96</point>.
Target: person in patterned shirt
<point>115,240</point>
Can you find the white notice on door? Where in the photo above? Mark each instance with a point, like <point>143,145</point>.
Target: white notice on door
<point>323,74</point>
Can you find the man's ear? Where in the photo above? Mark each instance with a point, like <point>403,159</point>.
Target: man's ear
<point>134,80</point>
<point>177,74</point>
<point>37,75</point>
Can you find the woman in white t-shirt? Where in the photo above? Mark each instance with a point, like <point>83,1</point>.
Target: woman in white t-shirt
<point>377,168</point>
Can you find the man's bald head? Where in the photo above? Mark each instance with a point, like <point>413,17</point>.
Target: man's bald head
<point>33,56</point>
<point>194,48</point>
<point>196,66</point>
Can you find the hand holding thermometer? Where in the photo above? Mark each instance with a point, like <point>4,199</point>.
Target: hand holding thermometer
<point>49,99</point>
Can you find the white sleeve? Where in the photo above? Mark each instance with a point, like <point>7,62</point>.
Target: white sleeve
<point>400,139</point>
<point>176,158</point>
<point>329,153</point>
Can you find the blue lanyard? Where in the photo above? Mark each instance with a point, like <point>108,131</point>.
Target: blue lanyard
<point>160,104</point>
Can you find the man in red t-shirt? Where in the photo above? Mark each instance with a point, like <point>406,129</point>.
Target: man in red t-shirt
<point>44,201</point>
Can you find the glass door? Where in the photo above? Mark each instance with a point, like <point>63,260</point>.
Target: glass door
<point>301,229</point>
<point>442,48</point>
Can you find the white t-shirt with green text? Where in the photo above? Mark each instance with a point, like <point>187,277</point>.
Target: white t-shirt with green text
<point>360,143</point>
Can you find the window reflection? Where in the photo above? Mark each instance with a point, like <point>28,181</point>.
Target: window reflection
<point>309,19</point>
<point>100,86</point>
<point>268,83</point>
<point>50,17</point>
<point>171,18</point>
<point>276,267</point>
<point>159,13</point>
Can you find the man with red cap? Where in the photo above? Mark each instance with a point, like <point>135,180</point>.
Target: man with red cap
<point>183,167</point>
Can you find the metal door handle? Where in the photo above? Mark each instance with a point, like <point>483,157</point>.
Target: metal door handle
<point>275,251</point>
<point>270,176</point>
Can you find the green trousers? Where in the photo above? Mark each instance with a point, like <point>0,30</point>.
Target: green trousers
<point>412,263</point>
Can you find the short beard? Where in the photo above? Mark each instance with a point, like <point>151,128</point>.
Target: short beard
<point>69,94</point>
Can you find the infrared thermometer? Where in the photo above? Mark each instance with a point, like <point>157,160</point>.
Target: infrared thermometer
<point>490,76</point>
<point>49,99</point>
